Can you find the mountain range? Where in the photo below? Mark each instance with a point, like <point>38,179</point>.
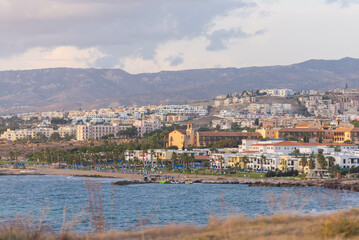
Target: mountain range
<point>69,88</point>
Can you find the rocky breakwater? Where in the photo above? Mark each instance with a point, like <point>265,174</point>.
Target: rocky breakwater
<point>217,181</point>
<point>351,185</point>
<point>128,182</point>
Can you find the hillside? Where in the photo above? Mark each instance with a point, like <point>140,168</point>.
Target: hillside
<point>66,88</point>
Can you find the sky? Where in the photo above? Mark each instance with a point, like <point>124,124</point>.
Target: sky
<point>157,35</point>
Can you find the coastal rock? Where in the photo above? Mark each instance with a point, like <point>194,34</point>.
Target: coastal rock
<point>128,182</point>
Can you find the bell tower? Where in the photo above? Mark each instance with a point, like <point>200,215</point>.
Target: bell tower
<point>189,139</point>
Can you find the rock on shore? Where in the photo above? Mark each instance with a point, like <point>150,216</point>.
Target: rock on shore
<point>128,182</point>
<point>351,185</point>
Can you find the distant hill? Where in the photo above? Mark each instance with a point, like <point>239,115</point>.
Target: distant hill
<point>67,88</point>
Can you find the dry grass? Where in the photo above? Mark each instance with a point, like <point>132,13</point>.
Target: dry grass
<point>97,219</point>
<point>340,225</point>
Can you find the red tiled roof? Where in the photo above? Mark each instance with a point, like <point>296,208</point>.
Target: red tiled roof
<point>343,130</point>
<point>300,130</point>
<point>229,134</point>
<point>201,157</point>
<point>302,144</point>
<point>303,124</point>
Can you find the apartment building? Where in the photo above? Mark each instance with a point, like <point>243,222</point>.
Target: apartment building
<point>278,92</point>
<point>182,110</point>
<point>176,118</point>
<point>51,115</point>
<point>143,126</point>
<point>67,131</point>
<point>85,132</point>
<point>13,135</point>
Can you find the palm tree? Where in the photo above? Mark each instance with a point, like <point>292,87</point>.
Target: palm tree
<point>12,155</point>
<point>303,162</point>
<point>296,153</point>
<point>331,161</point>
<point>221,161</point>
<point>135,161</point>
<point>321,160</point>
<point>245,161</point>
<point>262,160</point>
<point>204,165</point>
<point>159,162</point>
<point>213,161</point>
<point>192,159</point>
<point>174,157</point>
<point>152,153</point>
<point>184,159</point>
<point>236,166</point>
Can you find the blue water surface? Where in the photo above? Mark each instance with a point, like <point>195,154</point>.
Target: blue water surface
<point>49,197</point>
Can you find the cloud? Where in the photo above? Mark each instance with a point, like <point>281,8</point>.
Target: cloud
<point>148,36</point>
<point>116,27</point>
<point>219,38</point>
<point>56,57</point>
<point>175,60</point>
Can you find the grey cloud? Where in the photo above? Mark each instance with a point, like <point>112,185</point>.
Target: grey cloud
<point>119,28</point>
<point>219,38</point>
<point>175,60</point>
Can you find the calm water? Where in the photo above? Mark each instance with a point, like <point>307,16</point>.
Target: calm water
<point>30,195</point>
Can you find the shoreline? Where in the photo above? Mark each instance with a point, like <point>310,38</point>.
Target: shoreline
<point>342,184</point>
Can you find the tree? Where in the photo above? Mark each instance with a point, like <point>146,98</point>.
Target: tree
<point>12,155</point>
<point>235,126</point>
<point>129,132</point>
<point>331,161</point>
<point>135,162</point>
<point>174,157</point>
<point>262,161</point>
<point>296,153</point>
<point>227,143</point>
<point>321,160</point>
<point>55,137</point>
<point>337,149</point>
<point>237,167</point>
<point>355,123</point>
<point>304,161</point>
<point>205,165</point>
<point>245,161</point>
<point>311,163</point>
<point>221,161</point>
<point>196,172</point>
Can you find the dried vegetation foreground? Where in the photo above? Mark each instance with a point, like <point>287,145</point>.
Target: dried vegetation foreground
<point>340,225</point>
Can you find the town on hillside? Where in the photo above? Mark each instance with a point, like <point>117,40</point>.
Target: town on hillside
<point>269,131</point>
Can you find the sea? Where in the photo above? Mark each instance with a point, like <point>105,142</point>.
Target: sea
<point>63,202</point>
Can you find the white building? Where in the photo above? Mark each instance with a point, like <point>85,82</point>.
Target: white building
<point>13,135</point>
<point>144,126</point>
<point>278,92</point>
<point>85,132</point>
